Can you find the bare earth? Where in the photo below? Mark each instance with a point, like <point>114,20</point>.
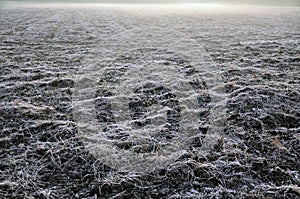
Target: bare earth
<point>149,101</point>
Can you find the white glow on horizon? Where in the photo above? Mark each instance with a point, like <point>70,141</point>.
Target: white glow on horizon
<point>85,5</point>
<point>155,7</point>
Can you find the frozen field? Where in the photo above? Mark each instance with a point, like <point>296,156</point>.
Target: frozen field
<point>149,101</point>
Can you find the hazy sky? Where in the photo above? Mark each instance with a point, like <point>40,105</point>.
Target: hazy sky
<point>255,2</point>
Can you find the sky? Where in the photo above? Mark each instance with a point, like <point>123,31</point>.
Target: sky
<point>239,2</point>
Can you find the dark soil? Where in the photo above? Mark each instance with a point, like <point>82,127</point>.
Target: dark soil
<point>257,156</point>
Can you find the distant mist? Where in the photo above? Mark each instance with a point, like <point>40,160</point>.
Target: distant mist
<point>228,2</point>
<point>262,2</point>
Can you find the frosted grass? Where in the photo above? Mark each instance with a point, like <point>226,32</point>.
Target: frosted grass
<point>155,48</point>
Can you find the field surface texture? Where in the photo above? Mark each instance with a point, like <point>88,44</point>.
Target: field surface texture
<point>149,101</point>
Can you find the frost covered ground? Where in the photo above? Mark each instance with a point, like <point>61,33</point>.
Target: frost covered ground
<point>149,101</point>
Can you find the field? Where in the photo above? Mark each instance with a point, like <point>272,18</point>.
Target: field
<point>102,101</point>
